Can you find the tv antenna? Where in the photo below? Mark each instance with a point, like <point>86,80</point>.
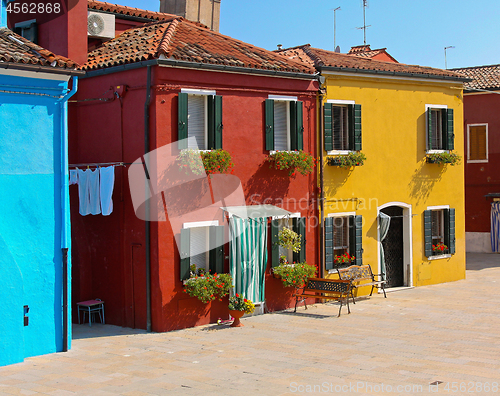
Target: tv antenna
<point>365,4</point>
<point>334,26</point>
<point>445,63</point>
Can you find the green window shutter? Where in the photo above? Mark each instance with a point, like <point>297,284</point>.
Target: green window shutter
<point>449,224</point>
<point>185,253</point>
<point>429,129</point>
<point>328,126</point>
<point>428,233</point>
<point>297,126</point>
<point>449,139</point>
<point>357,127</point>
<point>275,248</point>
<point>329,243</point>
<point>216,254</point>
<point>214,122</point>
<point>356,238</point>
<point>182,128</point>
<point>269,110</point>
<point>299,226</point>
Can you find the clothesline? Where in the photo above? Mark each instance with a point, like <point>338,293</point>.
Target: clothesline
<point>97,164</point>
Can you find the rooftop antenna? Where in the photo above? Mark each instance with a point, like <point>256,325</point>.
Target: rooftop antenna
<point>365,4</point>
<point>445,63</point>
<point>334,27</point>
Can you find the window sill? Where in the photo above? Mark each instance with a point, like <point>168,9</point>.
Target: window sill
<point>438,257</point>
<point>437,151</point>
<point>477,161</point>
<point>283,151</point>
<point>200,150</point>
<point>339,152</point>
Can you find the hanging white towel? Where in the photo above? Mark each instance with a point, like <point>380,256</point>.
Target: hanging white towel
<point>94,192</point>
<point>107,185</point>
<point>73,177</point>
<point>83,191</point>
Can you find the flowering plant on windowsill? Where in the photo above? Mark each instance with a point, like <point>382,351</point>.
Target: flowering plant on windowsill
<point>289,239</point>
<point>294,275</point>
<point>353,158</point>
<point>239,303</point>
<point>440,248</point>
<point>345,258</point>
<point>444,158</point>
<point>207,287</point>
<point>293,161</point>
<point>211,161</point>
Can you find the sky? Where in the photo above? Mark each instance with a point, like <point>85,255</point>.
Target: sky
<point>413,31</point>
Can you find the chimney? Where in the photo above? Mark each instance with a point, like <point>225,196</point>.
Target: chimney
<point>206,12</point>
<point>280,46</point>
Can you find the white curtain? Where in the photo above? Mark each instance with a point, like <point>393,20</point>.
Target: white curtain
<point>384,222</point>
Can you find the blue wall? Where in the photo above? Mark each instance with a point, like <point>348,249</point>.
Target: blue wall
<point>34,216</point>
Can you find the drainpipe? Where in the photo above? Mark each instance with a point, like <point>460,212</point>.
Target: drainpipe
<point>148,224</point>
<point>64,207</point>
<point>321,184</point>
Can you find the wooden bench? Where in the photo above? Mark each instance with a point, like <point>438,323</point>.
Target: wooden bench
<point>337,290</point>
<point>359,273</point>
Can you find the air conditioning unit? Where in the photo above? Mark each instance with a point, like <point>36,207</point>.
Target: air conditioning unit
<point>100,25</point>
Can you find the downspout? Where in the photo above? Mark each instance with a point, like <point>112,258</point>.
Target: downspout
<point>65,220</point>
<point>148,224</point>
<point>321,184</point>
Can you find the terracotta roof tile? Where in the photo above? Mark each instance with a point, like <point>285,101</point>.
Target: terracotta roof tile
<point>183,40</point>
<point>329,59</point>
<point>128,11</point>
<point>365,51</point>
<point>483,77</point>
<point>16,49</point>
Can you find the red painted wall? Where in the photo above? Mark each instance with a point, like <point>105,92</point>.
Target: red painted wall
<point>109,252</point>
<point>482,178</point>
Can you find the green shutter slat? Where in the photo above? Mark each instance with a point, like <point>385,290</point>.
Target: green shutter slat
<point>182,122</point>
<point>450,130</point>
<point>428,233</point>
<point>275,249</point>
<point>328,126</point>
<point>214,122</point>
<point>357,127</point>
<point>269,110</point>
<point>293,126</point>
<point>329,243</point>
<point>299,226</point>
<point>297,138</point>
<point>216,255</point>
<point>449,223</point>
<point>356,238</point>
<point>185,253</point>
<point>429,129</point>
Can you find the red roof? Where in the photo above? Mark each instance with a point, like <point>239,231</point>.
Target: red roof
<point>365,51</point>
<point>128,11</point>
<point>16,49</point>
<point>323,59</point>
<point>483,77</point>
<point>183,40</point>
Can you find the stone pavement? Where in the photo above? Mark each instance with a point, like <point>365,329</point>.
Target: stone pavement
<point>399,345</point>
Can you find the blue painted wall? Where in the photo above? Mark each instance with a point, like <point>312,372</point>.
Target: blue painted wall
<point>34,215</point>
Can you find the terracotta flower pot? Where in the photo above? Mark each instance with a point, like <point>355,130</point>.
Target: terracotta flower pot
<point>236,315</point>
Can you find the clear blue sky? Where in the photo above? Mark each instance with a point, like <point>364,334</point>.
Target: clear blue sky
<point>413,31</point>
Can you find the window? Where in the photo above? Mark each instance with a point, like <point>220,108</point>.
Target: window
<point>284,124</point>
<point>439,230</point>
<point>297,224</point>
<point>342,126</point>
<point>343,234</point>
<point>202,245</point>
<point>440,135</point>
<point>28,30</point>
<point>200,117</point>
<point>477,143</point>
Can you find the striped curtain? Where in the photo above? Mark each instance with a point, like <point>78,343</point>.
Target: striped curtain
<point>495,227</point>
<point>249,256</point>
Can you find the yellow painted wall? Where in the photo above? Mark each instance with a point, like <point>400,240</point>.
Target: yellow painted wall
<point>394,142</point>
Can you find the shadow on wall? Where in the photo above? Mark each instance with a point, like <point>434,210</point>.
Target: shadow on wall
<point>335,179</point>
<point>423,180</point>
<point>267,184</point>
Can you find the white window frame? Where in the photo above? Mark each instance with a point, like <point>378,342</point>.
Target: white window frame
<point>427,107</point>
<point>282,98</point>
<point>439,207</point>
<point>202,224</point>
<point>468,143</point>
<point>205,93</point>
<point>341,103</point>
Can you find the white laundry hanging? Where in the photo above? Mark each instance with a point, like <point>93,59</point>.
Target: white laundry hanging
<point>83,191</point>
<point>107,182</point>
<point>73,177</point>
<point>94,192</point>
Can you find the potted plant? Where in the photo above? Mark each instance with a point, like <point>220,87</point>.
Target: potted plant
<point>211,161</point>
<point>444,158</point>
<point>353,158</point>
<point>294,275</point>
<point>207,287</point>
<point>439,249</point>
<point>289,239</point>
<point>293,161</point>
<point>238,306</point>
<point>343,259</point>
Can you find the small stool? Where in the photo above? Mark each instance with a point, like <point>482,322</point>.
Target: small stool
<point>91,306</point>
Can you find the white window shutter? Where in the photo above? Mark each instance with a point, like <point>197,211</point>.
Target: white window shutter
<point>280,126</point>
<point>196,120</point>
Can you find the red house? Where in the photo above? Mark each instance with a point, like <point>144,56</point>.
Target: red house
<point>152,86</point>
<point>482,148</point>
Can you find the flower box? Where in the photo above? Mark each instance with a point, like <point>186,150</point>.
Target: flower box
<point>292,161</point>
<point>348,160</point>
<point>443,158</point>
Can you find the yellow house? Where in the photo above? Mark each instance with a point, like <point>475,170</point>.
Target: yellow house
<point>388,200</point>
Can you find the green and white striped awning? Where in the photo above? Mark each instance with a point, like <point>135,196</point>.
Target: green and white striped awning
<point>256,211</point>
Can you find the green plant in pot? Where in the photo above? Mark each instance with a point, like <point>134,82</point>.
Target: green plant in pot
<point>207,287</point>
